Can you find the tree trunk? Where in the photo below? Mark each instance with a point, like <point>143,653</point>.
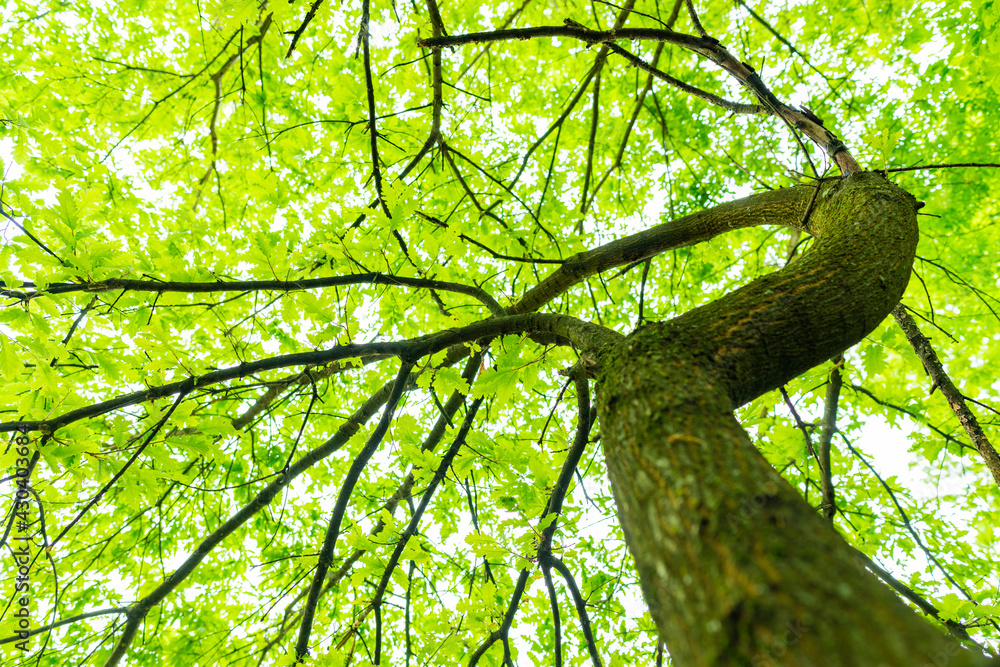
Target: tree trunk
<point>736,567</point>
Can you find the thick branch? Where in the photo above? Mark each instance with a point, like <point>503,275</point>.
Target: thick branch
<point>584,335</point>
<point>729,555</point>
<point>325,559</point>
<point>826,438</point>
<point>779,207</point>
<point>939,378</point>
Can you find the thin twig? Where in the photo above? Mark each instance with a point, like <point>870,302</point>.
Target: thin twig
<point>581,610</point>
<point>372,114</point>
<point>370,278</point>
<point>693,15</point>
<point>184,391</point>
<point>947,166</point>
<point>956,629</point>
<point>798,420</point>
<point>913,415</point>
<point>310,15</point>
<point>595,69</point>
<point>595,116</point>
<point>117,611</point>
<point>628,129</point>
<point>734,107</point>
<point>905,518</point>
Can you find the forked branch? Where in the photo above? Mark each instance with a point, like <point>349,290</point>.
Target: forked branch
<point>708,47</point>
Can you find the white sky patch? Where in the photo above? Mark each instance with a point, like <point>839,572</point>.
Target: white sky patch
<point>11,169</point>
<point>933,51</point>
<point>888,449</point>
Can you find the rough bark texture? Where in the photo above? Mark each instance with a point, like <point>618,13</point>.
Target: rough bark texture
<point>736,567</point>
<point>956,400</point>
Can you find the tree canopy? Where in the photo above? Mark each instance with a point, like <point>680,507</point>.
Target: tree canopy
<point>306,309</point>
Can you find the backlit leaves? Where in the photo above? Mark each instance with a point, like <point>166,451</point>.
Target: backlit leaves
<point>124,159</point>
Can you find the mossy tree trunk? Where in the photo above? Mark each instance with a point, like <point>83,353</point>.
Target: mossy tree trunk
<point>736,567</point>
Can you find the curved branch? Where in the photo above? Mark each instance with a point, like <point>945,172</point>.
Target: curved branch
<point>325,559</point>
<point>683,470</point>
<point>708,47</point>
<point>581,609</point>
<point>572,30</point>
<point>778,207</point>
<point>781,207</point>
<point>585,335</point>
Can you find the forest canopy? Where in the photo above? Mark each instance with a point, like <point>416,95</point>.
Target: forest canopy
<point>323,325</point>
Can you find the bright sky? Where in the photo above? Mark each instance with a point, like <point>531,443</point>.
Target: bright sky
<point>887,447</point>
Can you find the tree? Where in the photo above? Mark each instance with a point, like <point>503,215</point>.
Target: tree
<point>298,300</point>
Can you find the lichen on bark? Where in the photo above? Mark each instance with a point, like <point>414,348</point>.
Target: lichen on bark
<point>736,567</point>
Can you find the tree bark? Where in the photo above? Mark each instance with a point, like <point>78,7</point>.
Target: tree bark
<point>736,567</point>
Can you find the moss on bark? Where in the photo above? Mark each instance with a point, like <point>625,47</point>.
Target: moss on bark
<point>736,567</point>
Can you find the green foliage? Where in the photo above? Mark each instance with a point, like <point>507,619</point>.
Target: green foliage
<point>167,143</point>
